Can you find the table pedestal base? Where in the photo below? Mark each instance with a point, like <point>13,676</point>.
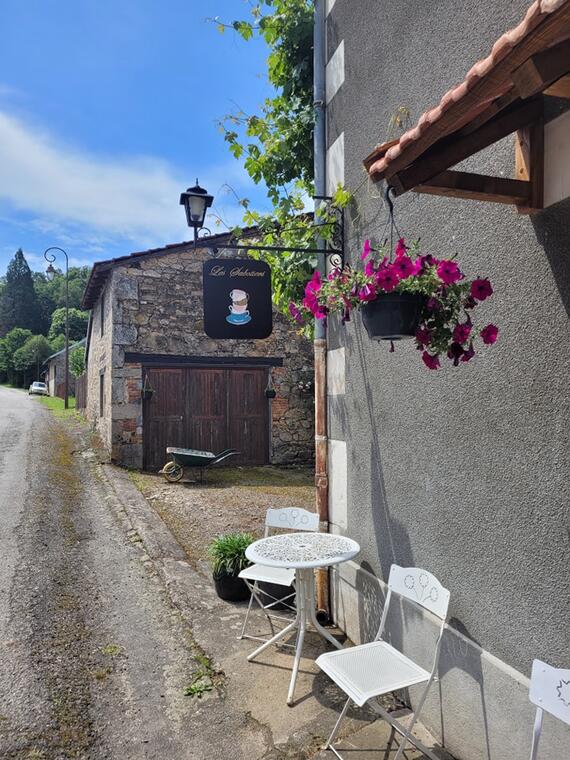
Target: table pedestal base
<point>305,587</point>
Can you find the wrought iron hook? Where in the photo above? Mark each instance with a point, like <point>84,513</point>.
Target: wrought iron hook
<point>389,201</point>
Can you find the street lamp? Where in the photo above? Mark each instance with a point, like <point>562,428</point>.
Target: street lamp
<point>50,274</point>
<point>195,201</point>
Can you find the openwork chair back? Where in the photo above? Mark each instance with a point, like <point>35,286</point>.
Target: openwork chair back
<point>550,692</point>
<point>421,588</point>
<point>291,518</point>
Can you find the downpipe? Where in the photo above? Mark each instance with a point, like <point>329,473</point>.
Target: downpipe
<point>320,344</point>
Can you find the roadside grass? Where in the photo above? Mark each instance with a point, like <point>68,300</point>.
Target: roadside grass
<point>11,385</point>
<point>56,405</point>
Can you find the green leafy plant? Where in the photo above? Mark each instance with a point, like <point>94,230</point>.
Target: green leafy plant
<point>227,553</point>
<point>276,146</point>
<point>77,361</point>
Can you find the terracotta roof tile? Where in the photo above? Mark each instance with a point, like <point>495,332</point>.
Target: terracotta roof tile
<point>483,68</point>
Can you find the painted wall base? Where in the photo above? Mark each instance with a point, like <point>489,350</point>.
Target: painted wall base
<point>479,700</point>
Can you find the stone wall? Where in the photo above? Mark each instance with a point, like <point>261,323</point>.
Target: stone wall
<point>99,361</point>
<point>56,376</point>
<point>157,309</point>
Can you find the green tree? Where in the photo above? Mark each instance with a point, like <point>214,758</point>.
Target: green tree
<point>77,324</point>
<point>276,144</point>
<point>51,293</point>
<point>58,343</point>
<point>77,361</point>
<point>29,358</point>
<point>12,341</point>
<point>19,304</point>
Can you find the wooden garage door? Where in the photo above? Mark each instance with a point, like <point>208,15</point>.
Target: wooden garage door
<point>210,409</point>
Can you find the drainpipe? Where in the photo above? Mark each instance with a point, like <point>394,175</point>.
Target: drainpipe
<point>320,343</point>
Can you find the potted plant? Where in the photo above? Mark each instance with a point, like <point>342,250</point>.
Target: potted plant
<point>227,555</point>
<point>405,294</point>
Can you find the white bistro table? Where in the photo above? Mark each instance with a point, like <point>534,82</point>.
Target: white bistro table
<point>303,552</point>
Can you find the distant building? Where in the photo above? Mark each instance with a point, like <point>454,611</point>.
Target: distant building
<point>55,372</point>
<point>155,379</point>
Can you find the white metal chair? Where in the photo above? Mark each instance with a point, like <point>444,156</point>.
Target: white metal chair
<point>550,691</point>
<point>288,518</point>
<point>370,670</point>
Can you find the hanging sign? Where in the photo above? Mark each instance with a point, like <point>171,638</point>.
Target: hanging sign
<point>237,299</point>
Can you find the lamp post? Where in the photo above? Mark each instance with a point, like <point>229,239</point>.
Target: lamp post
<point>196,201</point>
<point>50,273</point>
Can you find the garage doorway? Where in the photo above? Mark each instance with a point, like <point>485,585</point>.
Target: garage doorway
<point>206,408</point>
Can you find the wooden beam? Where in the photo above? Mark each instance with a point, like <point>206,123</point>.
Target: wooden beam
<point>529,163</point>
<point>542,69</point>
<point>552,28</point>
<point>454,149</point>
<point>559,89</point>
<point>378,152</point>
<point>478,187</point>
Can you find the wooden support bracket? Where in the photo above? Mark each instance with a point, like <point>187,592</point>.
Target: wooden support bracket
<point>542,69</point>
<point>529,163</point>
<point>560,88</point>
<point>478,187</point>
<point>454,149</point>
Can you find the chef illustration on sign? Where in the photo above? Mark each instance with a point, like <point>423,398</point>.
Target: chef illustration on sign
<point>239,314</point>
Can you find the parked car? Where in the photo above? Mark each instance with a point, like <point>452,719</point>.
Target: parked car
<point>38,388</point>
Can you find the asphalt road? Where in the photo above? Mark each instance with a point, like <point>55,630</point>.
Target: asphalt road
<point>93,658</point>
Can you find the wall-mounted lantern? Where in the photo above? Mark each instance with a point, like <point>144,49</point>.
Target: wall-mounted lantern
<point>196,201</point>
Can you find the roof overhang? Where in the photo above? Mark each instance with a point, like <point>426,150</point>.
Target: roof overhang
<point>102,269</point>
<point>501,94</point>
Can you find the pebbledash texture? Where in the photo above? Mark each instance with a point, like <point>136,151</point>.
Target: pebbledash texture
<point>147,329</point>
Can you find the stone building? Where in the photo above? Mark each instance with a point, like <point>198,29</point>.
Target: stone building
<point>55,372</point>
<point>155,379</point>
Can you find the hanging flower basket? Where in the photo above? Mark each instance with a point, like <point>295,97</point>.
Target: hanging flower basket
<point>392,316</point>
<point>405,293</point>
<point>146,390</point>
<point>270,393</point>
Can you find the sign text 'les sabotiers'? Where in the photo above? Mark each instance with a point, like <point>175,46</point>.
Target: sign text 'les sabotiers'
<point>237,299</point>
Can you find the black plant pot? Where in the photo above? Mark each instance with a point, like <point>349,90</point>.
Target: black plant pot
<point>393,315</point>
<point>269,590</point>
<point>270,393</point>
<point>231,588</point>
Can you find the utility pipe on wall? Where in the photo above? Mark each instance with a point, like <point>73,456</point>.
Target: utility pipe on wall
<point>320,343</point>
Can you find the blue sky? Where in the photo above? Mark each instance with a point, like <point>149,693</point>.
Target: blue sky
<point>108,110</point>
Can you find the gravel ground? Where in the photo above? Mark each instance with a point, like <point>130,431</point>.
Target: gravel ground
<point>231,499</point>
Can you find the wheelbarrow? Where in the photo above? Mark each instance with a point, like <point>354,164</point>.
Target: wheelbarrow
<point>173,470</point>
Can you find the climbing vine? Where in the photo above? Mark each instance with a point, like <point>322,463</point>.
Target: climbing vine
<point>276,144</point>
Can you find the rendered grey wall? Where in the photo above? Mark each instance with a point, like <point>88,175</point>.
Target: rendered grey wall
<point>464,471</point>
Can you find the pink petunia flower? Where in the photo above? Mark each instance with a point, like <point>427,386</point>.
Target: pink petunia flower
<point>366,248</point>
<point>431,362</point>
<point>404,266</point>
<point>462,332</point>
<point>369,268</point>
<point>367,293</point>
<point>295,313</point>
<point>448,272</point>
<point>469,354</point>
<point>489,334</point>
<point>401,247</point>
<point>481,289</point>
<point>423,336</point>
<point>455,352</point>
<point>387,278</point>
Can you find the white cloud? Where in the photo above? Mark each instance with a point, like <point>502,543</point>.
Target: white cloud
<point>76,196</point>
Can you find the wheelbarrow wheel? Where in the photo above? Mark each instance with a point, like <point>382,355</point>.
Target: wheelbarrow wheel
<point>173,472</point>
